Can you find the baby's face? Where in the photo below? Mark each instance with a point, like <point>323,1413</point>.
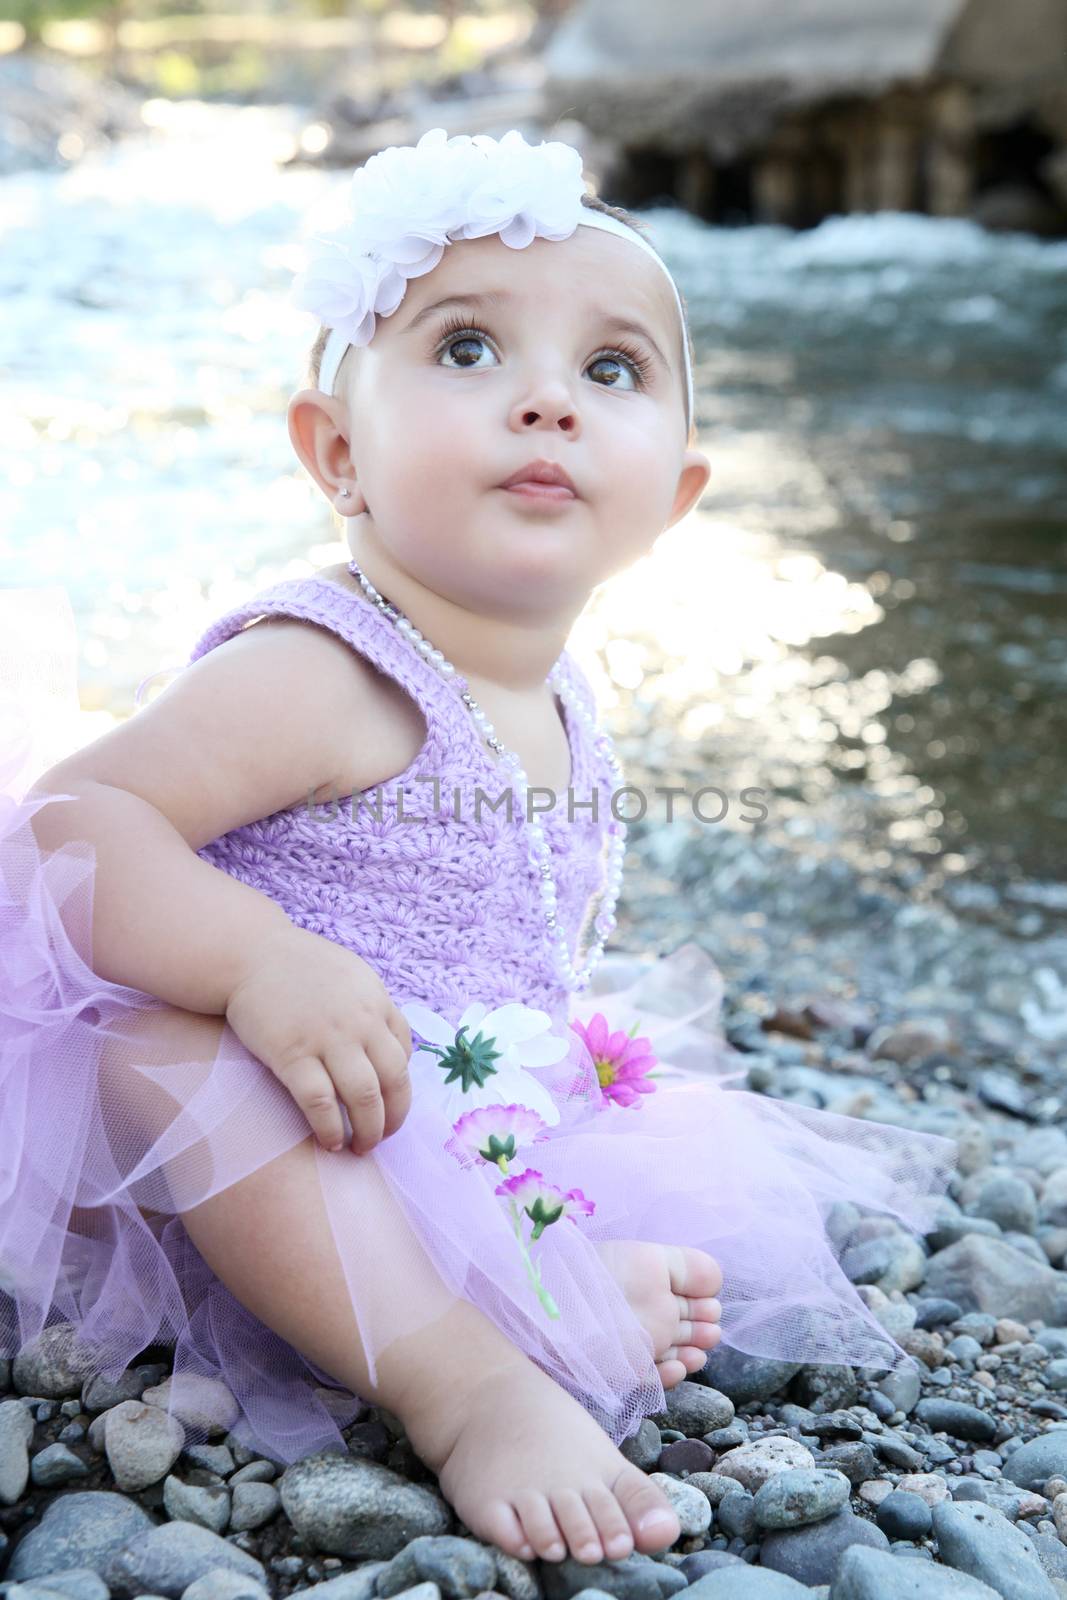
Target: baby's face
<point>439,418</point>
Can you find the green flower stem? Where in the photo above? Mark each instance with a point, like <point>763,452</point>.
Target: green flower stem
<point>532,1271</point>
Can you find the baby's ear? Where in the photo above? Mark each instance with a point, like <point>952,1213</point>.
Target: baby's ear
<point>318,430</point>
<point>692,481</point>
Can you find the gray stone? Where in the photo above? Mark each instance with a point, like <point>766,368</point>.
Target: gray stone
<point>854,1458</point>
<point>700,1562</point>
<point>358,1585</point>
<point>100,1393</point>
<point>57,1464</point>
<point>978,1539</point>
<point>1009,1201</point>
<point>878,1575</point>
<point>200,1401</point>
<point>142,1443</point>
<point>811,1554</point>
<point>904,1516</point>
<point>54,1365</point>
<point>16,1431</point>
<point>801,1495</point>
<point>168,1558</point>
<point>954,1229</point>
<point>253,1505</point>
<point>963,1348</point>
<point>753,1464</point>
<point>356,1508</point>
<point>80,1529</point>
<point>688,1504</point>
<point>959,1420</point>
<point>894,1261</point>
<point>736,1516</point>
<point>206,1505</point>
<point>1050,1552</point>
<point>514,1578</point>
<point>220,1584</point>
<point>75,1583</point>
<point>643,1448</point>
<point>746,1583</point>
<point>715,1485</point>
<point>827,1387</point>
<point>1053,1339</point>
<point>1054,1198</point>
<point>1035,1462</point>
<point>637,1577</point>
<point>988,1275</point>
<point>743,1378</point>
<point>933,1312</point>
<point>1055,1374</point>
<point>903,1386</point>
<point>459,1567</point>
<point>693,1408</point>
<point>980,1325</point>
<point>214,1457</point>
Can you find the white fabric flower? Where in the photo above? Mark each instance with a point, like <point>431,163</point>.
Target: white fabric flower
<point>409,201</point>
<point>520,1033</point>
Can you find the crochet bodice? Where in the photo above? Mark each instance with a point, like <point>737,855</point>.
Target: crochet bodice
<point>432,888</point>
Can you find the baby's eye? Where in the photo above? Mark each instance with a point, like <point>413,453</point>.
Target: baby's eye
<point>459,337</point>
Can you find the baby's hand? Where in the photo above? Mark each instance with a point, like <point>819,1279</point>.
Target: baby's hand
<point>321,1019</point>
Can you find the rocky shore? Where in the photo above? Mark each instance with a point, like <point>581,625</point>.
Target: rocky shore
<point>943,1476</point>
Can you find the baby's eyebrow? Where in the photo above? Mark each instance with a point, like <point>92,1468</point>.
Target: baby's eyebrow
<point>496,297</point>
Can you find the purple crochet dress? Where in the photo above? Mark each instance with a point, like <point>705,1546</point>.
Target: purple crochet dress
<point>105,1139</point>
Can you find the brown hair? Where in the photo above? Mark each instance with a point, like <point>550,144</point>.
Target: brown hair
<point>594,202</point>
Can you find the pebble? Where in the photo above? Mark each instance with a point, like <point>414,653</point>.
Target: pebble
<point>168,1558</point>
<point>358,1509</point>
<point>694,1408</point>
<point>989,1275</point>
<point>980,1540</point>
<point>811,1554</point>
<point>753,1464</point>
<point>800,1495</point>
<point>877,1575</point>
<point>904,1516</point>
<point>1035,1462</point>
<point>929,1486</point>
<point>961,1421</point>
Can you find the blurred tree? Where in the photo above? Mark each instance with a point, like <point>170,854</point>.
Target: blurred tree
<point>34,15</point>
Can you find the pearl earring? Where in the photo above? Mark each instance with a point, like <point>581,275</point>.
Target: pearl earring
<point>345,493</point>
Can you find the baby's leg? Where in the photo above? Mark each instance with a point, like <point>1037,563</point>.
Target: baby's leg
<point>522,1462</point>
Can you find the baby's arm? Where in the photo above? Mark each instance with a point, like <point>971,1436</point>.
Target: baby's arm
<point>250,728</point>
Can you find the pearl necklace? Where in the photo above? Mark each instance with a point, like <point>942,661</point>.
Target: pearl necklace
<point>540,851</point>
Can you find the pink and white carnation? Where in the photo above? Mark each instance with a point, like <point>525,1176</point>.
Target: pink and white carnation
<point>493,1134</point>
<point>543,1202</point>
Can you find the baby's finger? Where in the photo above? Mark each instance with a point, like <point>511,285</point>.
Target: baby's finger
<point>391,1064</point>
<point>312,1088</point>
<point>399,1028</point>
<point>357,1084</point>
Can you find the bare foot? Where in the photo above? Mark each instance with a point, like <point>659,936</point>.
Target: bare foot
<point>670,1289</point>
<point>529,1470</point>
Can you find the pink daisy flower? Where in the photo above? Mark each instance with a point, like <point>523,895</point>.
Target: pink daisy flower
<point>622,1062</point>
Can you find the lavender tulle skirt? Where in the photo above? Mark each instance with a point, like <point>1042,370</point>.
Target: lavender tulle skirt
<point>107,1139</point>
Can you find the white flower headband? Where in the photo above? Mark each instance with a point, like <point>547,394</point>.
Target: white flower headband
<point>409,201</point>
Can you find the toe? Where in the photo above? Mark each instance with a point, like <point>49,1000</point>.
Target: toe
<point>612,1526</point>
<point>540,1526</point>
<point>693,1272</point>
<point>648,1511</point>
<point>707,1309</point>
<point>504,1529</point>
<point>577,1526</point>
<point>672,1371</point>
